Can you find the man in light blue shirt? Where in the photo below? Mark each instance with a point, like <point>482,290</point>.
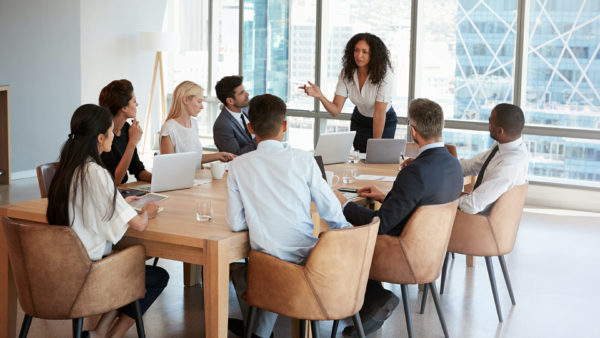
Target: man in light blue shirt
<point>270,192</point>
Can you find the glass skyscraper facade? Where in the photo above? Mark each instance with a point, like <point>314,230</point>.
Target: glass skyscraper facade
<point>466,63</point>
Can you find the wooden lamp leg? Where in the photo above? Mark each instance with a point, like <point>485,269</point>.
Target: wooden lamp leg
<point>147,122</point>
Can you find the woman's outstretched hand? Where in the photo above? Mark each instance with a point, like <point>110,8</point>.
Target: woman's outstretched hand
<point>312,90</point>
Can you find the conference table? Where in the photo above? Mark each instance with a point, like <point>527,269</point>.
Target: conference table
<point>175,234</point>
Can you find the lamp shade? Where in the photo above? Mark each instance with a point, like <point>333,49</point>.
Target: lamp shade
<point>159,41</point>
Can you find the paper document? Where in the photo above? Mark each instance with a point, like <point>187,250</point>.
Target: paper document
<point>200,181</point>
<point>376,178</point>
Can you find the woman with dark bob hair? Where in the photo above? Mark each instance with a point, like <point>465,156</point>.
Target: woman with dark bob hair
<point>119,98</point>
<point>366,79</point>
<point>84,196</point>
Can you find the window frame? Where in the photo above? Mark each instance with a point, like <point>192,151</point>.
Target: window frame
<point>519,86</point>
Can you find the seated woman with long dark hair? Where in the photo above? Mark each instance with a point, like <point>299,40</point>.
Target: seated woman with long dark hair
<point>84,196</point>
<point>119,97</point>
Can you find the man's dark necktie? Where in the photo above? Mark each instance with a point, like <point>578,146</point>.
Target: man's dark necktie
<point>484,166</point>
<point>246,126</point>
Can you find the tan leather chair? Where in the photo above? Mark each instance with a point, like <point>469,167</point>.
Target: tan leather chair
<point>415,257</point>
<point>45,173</point>
<point>55,278</point>
<point>489,235</point>
<point>412,149</point>
<point>330,286</point>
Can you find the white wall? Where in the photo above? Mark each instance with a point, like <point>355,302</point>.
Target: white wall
<point>110,48</point>
<point>563,198</point>
<point>39,60</point>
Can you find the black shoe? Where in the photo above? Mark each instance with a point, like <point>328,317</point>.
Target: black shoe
<point>369,327</point>
<point>381,308</point>
<point>236,326</point>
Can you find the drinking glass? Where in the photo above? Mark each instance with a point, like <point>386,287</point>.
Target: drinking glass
<point>349,175</point>
<point>204,210</point>
<point>353,156</point>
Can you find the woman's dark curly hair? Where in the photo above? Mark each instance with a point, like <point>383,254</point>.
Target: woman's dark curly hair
<point>378,53</point>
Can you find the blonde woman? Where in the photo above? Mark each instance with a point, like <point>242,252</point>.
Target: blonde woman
<point>180,132</point>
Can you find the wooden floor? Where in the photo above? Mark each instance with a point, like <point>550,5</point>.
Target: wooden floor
<point>555,271</point>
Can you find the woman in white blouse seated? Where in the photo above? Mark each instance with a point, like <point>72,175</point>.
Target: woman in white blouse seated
<point>367,80</point>
<point>180,132</point>
<point>83,195</point>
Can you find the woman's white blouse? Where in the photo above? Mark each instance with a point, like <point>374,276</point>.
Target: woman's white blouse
<point>183,139</point>
<point>365,100</point>
<point>89,208</point>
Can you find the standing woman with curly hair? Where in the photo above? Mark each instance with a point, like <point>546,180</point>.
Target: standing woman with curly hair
<point>366,79</point>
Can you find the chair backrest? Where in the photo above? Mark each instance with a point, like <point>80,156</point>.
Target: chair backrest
<point>338,267</point>
<point>49,264</point>
<point>331,285</point>
<point>45,174</point>
<point>416,256</point>
<point>493,234</point>
<point>412,149</point>
<point>505,217</point>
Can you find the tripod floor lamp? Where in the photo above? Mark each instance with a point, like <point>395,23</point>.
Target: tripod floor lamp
<point>157,42</point>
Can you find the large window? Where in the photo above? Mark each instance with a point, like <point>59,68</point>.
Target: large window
<point>563,73</point>
<point>466,55</point>
<point>543,55</point>
<point>389,20</point>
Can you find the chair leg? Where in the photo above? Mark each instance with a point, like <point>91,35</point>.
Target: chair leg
<point>314,327</point>
<point>155,261</point>
<point>25,326</point>
<point>77,327</point>
<point>490,268</point>
<point>250,321</point>
<point>444,269</point>
<point>453,255</point>
<point>358,325</point>
<point>424,298</point>
<point>302,328</point>
<point>139,323</point>
<point>507,279</point>
<point>436,300</point>
<point>409,327</point>
<point>334,328</point>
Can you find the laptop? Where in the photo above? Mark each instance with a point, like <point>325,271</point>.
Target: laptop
<point>384,150</point>
<point>171,172</point>
<point>334,147</point>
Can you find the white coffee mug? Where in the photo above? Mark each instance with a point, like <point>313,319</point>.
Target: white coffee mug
<point>217,169</point>
<point>332,179</point>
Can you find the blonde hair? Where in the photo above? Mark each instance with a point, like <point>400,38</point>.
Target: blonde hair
<point>184,89</point>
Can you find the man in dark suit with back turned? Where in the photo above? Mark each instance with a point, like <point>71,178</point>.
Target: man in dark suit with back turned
<point>230,131</point>
<point>433,177</point>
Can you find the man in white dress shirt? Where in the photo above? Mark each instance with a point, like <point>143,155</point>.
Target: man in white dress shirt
<point>269,193</point>
<point>500,168</point>
<point>230,131</point>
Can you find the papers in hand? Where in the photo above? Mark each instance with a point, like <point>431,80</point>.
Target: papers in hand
<point>376,178</point>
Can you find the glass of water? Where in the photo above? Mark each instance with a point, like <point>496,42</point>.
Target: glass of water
<point>353,156</point>
<point>349,175</point>
<point>204,210</point>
